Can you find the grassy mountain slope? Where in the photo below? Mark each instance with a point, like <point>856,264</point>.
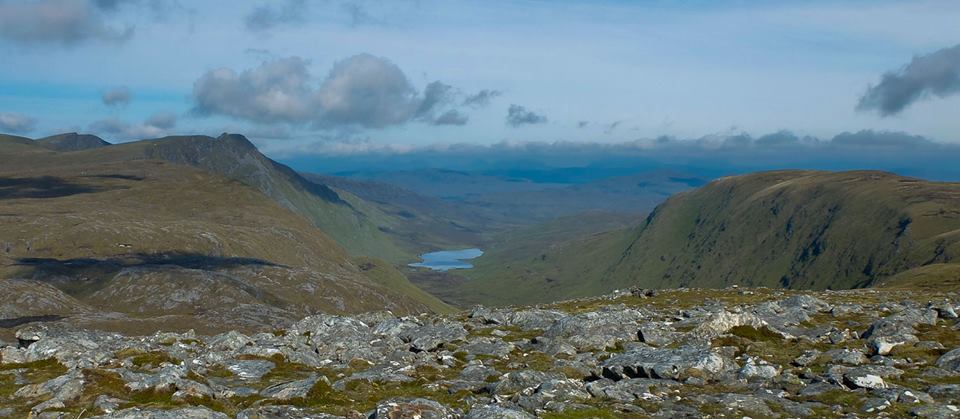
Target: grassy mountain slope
<point>355,227</point>
<point>793,229</point>
<point>72,142</point>
<point>169,246</point>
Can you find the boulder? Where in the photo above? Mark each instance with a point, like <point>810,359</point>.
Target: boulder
<point>180,413</point>
<point>720,323</point>
<point>412,408</point>
<point>674,364</point>
<point>292,389</point>
<point>950,360</point>
<point>497,412</point>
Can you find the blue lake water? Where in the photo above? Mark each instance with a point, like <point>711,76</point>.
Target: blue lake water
<point>447,259</point>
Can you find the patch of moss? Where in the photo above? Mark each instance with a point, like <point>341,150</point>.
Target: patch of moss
<point>590,413</point>
<point>286,371</point>
<point>152,397</point>
<point>322,394</point>
<point>193,376</point>
<point>50,364</point>
<point>153,359</point>
<point>219,371</point>
<point>763,334</point>
<point>359,364</point>
<point>33,372</point>
<point>616,348</point>
<point>850,401</point>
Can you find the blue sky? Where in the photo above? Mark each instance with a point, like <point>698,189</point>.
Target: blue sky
<point>576,71</point>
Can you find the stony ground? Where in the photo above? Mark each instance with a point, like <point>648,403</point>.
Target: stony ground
<point>679,353</point>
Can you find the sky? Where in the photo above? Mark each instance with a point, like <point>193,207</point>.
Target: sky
<point>327,77</point>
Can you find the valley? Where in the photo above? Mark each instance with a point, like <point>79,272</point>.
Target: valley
<point>258,291</point>
<point>496,209</point>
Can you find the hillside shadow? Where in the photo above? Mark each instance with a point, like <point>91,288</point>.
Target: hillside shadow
<point>85,266</point>
<point>20,321</point>
<point>41,187</point>
<point>118,176</point>
<point>82,276</point>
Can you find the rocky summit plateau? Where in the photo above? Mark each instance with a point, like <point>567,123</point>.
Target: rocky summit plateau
<point>734,352</point>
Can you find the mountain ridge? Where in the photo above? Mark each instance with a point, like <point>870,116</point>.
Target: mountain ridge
<point>784,229</point>
<point>177,246</point>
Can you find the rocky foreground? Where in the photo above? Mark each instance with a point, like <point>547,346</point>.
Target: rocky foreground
<point>680,353</point>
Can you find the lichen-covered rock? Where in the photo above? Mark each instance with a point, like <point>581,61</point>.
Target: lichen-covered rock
<point>58,391</point>
<point>180,413</point>
<point>249,369</point>
<point>754,368</point>
<point>674,364</point>
<point>281,412</point>
<point>497,412</point>
<point>291,390</point>
<point>863,380</point>
<point>413,408</point>
<point>720,323</point>
<point>597,330</point>
<point>950,360</point>
<point>620,359</point>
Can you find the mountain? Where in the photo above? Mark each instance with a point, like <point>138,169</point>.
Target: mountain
<point>796,229</point>
<point>354,224</point>
<point>790,229</point>
<point>72,142</point>
<point>117,242</point>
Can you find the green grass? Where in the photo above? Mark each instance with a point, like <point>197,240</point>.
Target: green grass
<point>793,229</point>
<point>162,209</point>
<point>763,334</point>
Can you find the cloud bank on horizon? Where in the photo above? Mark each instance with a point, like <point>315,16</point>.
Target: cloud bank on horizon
<point>709,156</point>
<point>307,75</point>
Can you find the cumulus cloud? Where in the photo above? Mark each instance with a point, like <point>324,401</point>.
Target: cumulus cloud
<point>57,21</point>
<point>933,75</point>
<point>157,125</point>
<point>269,16</point>
<point>360,91</point>
<point>277,91</point>
<point>518,116</point>
<point>116,96</point>
<point>481,98</point>
<point>369,91</point>
<point>15,123</point>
